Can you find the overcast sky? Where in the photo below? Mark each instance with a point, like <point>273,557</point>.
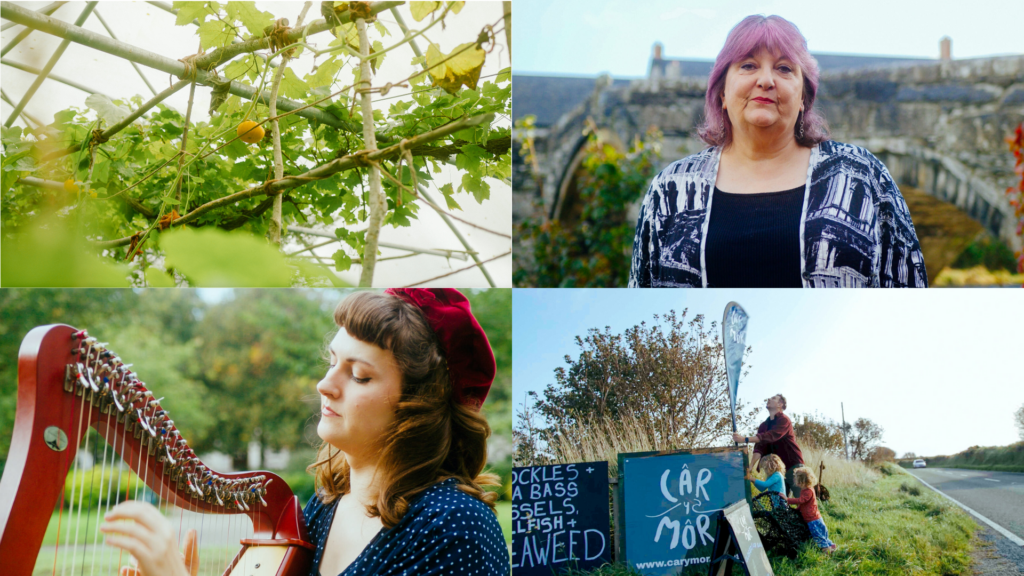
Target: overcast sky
<point>588,37</point>
<point>148,27</point>
<point>939,370</point>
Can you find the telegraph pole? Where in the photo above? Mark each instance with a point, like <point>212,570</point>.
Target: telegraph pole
<point>845,443</point>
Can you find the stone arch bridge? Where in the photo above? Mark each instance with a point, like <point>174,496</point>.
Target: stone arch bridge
<point>938,126</point>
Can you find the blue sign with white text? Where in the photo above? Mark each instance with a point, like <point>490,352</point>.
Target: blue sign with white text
<point>670,504</point>
<point>560,518</point>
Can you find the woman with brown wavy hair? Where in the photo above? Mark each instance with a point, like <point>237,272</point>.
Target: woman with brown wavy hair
<point>399,474</point>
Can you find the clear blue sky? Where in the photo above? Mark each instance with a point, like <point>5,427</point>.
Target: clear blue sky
<point>918,363</point>
<point>588,37</point>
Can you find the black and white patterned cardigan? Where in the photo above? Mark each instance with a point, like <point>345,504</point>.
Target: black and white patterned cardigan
<point>855,228</point>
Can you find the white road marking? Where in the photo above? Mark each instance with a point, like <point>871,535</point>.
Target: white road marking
<point>991,479</point>
<point>1009,535</point>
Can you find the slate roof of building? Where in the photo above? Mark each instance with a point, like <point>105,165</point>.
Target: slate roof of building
<point>550,97</point>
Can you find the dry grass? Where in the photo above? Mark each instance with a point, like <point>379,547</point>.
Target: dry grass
<point>838,471</point>
<point>605,438</point>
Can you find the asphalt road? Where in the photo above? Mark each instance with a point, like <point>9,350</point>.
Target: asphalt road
<point>998,496</point>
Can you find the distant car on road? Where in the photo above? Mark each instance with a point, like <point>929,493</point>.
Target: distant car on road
<point>919,463</point>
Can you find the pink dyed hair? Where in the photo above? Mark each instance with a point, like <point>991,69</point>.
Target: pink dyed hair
<point>778,36</point>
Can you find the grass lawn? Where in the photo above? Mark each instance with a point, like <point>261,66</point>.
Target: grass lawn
<point>892,526</point>
<point>505,518</point>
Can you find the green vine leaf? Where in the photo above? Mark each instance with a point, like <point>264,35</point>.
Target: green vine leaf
<point>214,34</point>
<point>324,74</point>
<point>292,87</point>
<point>342,261</point>
<point>238,68</point>
<point>189,11</point>
<point>252,18</point>
<point>474,184</point>
<point>68,263</point>
<point>106,109</point>
<point>421,10</point>
<point>211,258</point>
<point>447,191</point>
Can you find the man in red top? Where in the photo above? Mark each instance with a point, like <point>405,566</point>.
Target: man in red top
<point>775,436</point>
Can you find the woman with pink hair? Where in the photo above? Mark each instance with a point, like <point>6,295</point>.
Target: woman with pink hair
<point>773,202</point>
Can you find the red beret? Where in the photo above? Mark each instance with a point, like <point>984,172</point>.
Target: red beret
<point>471,366</point>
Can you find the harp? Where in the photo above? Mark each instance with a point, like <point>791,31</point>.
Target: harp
<point>68,382</point>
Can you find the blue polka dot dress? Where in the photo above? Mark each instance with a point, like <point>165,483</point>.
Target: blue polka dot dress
<point>445,531</point>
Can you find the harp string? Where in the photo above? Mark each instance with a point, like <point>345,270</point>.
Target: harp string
<point>112,501</point>
<point>127,489</point>
<point>81,495</point>
<point>99,501</point>
<point>71,506</point>
<point>104,497</point>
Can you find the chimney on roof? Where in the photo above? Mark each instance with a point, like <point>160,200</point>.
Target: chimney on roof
<point>945,49</point>
<point>657,50</point>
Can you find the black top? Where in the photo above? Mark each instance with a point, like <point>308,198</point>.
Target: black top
<point>445,532</point>
<point>754,240</point>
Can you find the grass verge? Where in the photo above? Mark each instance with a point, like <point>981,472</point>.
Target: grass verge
<point>892,525</point>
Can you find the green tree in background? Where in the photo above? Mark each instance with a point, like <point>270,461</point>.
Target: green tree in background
<point>259,359</point>
<point>592,248</point>
<point>820,432</point>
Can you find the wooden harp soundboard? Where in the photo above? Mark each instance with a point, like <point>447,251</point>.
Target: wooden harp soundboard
<point>69,382</point>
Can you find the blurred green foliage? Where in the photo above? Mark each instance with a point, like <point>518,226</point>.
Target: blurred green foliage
<point>593,246</point>
<point>233,365</point>
<point>987,252</point>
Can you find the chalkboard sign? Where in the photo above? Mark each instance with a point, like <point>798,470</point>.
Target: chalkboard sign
<point>560,518</point>
<point>737,540</point>
<point>671,503</point>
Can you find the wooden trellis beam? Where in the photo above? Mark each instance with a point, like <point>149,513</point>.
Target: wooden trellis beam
<point>85,37</point>
<point>49,64</point>
<point>28,30</point>
<point>48,9</point>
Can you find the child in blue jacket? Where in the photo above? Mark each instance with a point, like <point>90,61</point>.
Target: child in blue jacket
<point>775,472</point>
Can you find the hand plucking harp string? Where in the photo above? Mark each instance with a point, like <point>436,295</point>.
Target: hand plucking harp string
<point>151,540</point>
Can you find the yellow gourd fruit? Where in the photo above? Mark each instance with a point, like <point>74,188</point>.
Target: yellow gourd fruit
<point>70,186</point>
<point>248,134</point>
